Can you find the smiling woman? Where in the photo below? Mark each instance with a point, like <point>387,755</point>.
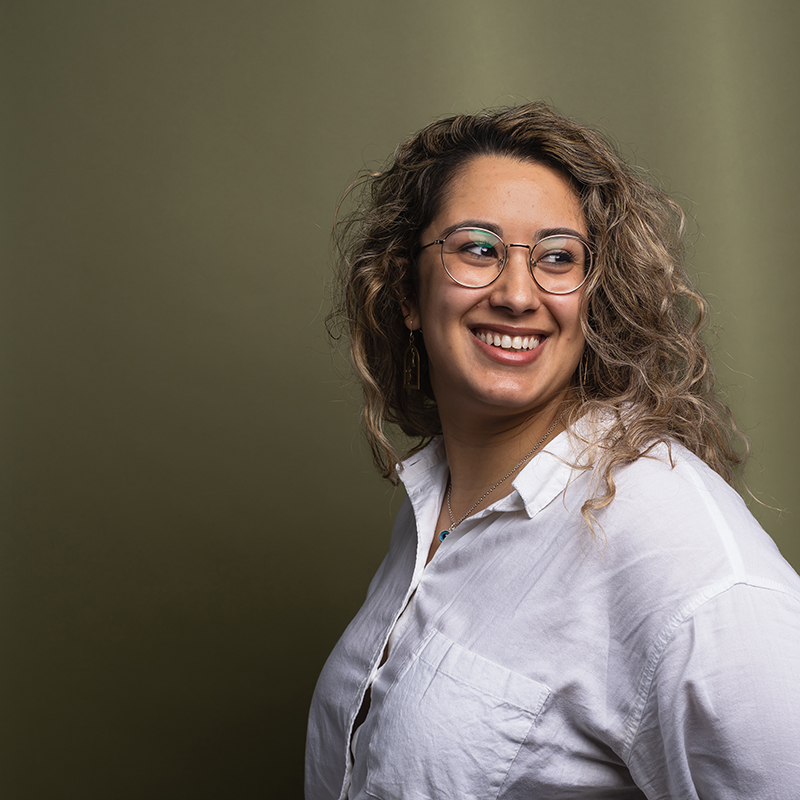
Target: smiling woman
<point>575,602</point>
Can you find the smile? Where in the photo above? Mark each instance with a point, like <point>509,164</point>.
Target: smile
<point>508,342</point>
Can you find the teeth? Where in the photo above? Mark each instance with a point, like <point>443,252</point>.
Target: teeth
<point>509,343</point>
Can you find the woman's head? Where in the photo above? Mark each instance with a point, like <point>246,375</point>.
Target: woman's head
<point>500,345</point>
<point>639,316</point>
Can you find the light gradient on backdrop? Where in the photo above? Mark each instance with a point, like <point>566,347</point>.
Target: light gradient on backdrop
<point>190,516</point>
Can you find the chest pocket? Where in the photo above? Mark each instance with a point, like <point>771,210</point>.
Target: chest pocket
<point>450,725</point>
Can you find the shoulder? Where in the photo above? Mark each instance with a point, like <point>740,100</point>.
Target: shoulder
<point>671,499</point>
<point>669,484</point>
<point>694,568</point>
<point>671,487</point>
<point>676,536</point>
<point>673,524</point>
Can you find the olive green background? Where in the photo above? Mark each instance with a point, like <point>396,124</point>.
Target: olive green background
<point>189,516</point>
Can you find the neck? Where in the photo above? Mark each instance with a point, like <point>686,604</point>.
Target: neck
<point>479,455</point>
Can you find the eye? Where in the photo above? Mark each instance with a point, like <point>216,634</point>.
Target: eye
<point>557,258</point>
<point>479,250</point>
<point>559,254</point>
<point>474,246</point>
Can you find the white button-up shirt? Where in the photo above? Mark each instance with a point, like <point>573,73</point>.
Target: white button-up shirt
<point>659,658</point>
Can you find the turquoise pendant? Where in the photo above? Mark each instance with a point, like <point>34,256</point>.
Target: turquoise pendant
<point>442,535</point>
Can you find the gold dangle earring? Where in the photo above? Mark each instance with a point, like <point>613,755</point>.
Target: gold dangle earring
<point>411,363</point>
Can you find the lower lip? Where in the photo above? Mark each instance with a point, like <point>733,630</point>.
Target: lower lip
<point>512,357</point>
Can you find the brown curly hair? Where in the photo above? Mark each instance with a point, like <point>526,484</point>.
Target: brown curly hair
<point>645,360</point>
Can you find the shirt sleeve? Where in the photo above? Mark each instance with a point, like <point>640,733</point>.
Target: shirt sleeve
<point>722,713</point>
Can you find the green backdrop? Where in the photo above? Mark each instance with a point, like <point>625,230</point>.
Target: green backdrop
<point>189,516</point>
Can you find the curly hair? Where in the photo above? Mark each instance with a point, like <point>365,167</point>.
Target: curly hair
<point>644,361</point>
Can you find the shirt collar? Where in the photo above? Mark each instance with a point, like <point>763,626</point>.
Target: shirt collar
<point>547,474</point>
<point>542,479</point>
<point>423,469</point>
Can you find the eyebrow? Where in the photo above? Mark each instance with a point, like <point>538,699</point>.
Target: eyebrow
<point>542,233</point>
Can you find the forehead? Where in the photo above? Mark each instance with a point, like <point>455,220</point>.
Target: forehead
<point>511,194</point>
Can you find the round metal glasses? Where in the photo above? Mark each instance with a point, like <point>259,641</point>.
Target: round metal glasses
<point>475,257</point>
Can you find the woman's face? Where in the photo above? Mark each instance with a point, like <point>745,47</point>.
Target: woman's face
<point>518,200</point>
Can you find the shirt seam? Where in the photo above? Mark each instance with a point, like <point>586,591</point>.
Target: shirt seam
<point>540,701</point>
<point>666,635</point>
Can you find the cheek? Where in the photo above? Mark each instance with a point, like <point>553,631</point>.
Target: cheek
<point>441,303</point>
<point>567,312</point>
<point>427,295</point>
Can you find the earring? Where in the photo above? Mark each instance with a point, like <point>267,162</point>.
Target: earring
<point>411,364</point>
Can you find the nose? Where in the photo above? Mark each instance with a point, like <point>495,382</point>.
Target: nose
<point>515,288</point>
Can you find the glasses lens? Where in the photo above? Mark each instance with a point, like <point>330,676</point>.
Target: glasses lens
<point>472,256</point>
<point>560,263</point>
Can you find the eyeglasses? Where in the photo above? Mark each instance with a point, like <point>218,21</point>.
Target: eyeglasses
<point>475,257</point>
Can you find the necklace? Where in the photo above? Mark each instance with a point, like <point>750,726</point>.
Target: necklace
<point>453,523</point>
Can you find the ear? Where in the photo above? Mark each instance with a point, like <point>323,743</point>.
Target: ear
<point>408,305</point>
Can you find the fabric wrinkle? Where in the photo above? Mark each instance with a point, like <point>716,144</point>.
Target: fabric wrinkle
<point>529,659</point>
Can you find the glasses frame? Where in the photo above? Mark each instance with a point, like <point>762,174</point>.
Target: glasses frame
<point>531,263</point>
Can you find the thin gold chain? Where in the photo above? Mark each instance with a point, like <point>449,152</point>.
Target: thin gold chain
<point>453,523</point>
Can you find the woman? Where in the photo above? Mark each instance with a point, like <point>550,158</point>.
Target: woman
<point>575,603</point>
